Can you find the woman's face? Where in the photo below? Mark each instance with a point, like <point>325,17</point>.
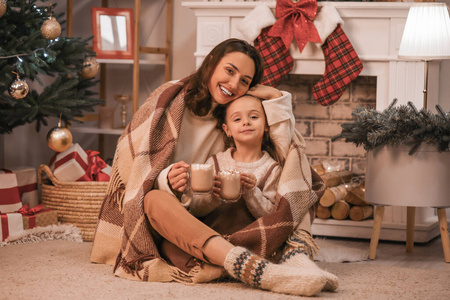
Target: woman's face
<point>231,77</point>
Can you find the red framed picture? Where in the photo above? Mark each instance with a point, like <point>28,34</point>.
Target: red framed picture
<point>112,29</point>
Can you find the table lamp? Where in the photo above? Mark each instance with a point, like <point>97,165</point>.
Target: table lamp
<point>426,36</point>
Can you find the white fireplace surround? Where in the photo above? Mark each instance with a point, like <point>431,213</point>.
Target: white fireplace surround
<point>375,31</point>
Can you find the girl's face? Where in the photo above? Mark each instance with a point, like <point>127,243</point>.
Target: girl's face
<point>231,77</point>
<point>245,121</point>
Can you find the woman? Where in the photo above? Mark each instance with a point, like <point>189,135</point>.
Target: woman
<point>174,128</point>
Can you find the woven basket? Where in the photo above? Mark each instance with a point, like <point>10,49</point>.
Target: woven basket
<point>77,203</point>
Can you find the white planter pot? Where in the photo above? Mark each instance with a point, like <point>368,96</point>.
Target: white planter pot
<point>393,177</point>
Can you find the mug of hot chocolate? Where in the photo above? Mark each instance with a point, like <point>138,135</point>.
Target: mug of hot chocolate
<point>201,178</point>
<point>231,187</point>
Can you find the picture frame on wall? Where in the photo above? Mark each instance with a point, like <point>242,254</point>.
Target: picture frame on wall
<point>112,29</point>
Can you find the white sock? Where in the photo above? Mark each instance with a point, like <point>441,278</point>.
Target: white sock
<point>258,272</point>
<point>297,257</point>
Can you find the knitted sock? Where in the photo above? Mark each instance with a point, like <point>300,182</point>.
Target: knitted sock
<point>260,273</point>
<point>299,257</point>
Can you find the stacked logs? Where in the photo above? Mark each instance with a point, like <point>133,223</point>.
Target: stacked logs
<point>343,199</point>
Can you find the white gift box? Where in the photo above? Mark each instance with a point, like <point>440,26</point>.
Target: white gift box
<point>27,184</point>
<point>71,164</point>
<point>9,192</point>
<point>10,224</point>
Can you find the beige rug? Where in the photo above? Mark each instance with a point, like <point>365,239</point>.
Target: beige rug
<point>61,270</point>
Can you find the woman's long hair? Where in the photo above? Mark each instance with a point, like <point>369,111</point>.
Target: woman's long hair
<point>220,113</point>
<point>198,98</point>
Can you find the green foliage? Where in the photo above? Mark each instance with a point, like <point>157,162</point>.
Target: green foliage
<point>402,125</point>
<point>23,49</point>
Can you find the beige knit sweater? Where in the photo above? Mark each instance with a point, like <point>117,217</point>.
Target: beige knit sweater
<point>258,201</point>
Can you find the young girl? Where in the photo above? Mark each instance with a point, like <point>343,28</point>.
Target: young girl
<point>252,153</point>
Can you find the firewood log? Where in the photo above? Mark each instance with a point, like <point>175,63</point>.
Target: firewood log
<point>323,212</point>
<point>319,169</point>
<point>356,196</point>
<point>359,213</point>
<point>336,178</point>
<point>335,193</point>
<point>340,210</point>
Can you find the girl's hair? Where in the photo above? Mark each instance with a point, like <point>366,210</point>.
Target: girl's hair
<point>198,98</point>
<point>220,113</point>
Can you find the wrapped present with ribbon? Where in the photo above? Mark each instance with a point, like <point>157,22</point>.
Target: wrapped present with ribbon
<point>38,216</point>
<point>75,164</point>
<point>26,183</point>
<point>11,223</point>
<point>9,192</point>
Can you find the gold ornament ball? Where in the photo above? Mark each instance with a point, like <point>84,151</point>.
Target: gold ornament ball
<point>90,68</point>
<point>2,7</point>
<point>18,89</point>
<point>50,29</point>
<point>59,139</point>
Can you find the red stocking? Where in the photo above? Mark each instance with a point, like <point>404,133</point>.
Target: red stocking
<point>277,59</point>
<point>342,66</point>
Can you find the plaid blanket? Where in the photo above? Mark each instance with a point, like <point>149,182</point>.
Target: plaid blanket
<point>123,235</point>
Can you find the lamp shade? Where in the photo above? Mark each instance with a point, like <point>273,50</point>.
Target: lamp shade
<point>427,32</point>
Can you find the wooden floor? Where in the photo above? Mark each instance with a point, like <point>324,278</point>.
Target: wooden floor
<point>425,255</point>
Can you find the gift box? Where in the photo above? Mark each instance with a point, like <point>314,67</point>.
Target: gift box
<point>27,185</point>
<point>75,164</point>
<point>71,164</point>
<point>38,216</point>
<point>9,192</point>
<point>11,223</point>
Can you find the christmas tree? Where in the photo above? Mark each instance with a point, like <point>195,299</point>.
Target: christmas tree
<point>31,49</point>
<point>397,125</point>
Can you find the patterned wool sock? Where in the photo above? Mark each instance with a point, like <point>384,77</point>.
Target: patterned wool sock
<point>260,273</point>
<point>298,256</point>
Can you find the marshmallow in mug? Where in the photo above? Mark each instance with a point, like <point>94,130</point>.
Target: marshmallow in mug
<point>230,188</point>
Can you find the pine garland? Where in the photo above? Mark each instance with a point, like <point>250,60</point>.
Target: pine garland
<point>395,126</point>
<point>23,49</point>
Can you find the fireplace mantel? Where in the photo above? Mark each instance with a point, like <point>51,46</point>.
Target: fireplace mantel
<point>375,30</point>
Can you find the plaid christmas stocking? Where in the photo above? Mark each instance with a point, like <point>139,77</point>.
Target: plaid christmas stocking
<point>277,59</point>
<point>342,66</point>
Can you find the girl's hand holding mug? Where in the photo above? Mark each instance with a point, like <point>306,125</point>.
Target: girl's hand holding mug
<point>248,180</point>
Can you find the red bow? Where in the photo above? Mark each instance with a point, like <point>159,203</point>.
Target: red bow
<point>27,211</point>
<point>296,20</point>
<point>31,212</point>
<point>96,165</point>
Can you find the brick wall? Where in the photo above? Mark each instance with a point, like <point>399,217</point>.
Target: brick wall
<point>319,123</point>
